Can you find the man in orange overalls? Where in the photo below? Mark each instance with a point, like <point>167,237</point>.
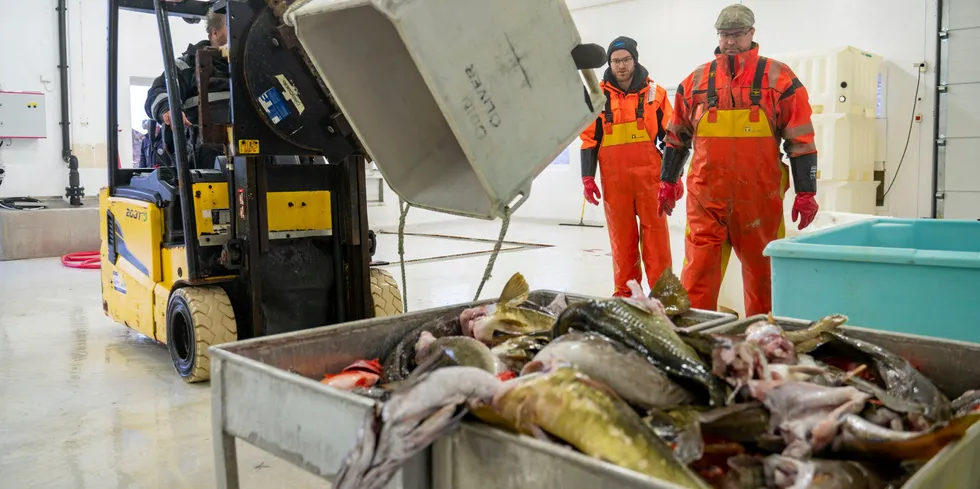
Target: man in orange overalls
<point>627,139</point>
<point>736,110</point>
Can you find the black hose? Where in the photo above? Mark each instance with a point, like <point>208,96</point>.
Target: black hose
<point>74,192</point>
<point>21,204</point>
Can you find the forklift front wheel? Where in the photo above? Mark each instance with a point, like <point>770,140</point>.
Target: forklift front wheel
<point>385,296</point>
<point>198,318</point>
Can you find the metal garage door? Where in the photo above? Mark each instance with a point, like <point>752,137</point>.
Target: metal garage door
<point>958,154</point>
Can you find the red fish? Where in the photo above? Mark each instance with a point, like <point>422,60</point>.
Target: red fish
<point>362,373</point>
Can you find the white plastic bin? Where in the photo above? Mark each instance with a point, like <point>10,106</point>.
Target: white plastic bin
<point>841,81</point>
<point>851,197</point>
<point>461,103</point>
<point>846,146</point>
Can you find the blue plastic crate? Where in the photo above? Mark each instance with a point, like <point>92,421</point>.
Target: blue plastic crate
<point>917,276</point>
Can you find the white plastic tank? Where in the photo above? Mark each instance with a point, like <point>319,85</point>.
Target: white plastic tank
<point>847,196</point>
<point>846,146</point>
<point>461,103</point>
<point>840,81</point>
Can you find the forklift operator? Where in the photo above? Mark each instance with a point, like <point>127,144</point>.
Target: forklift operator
<point>158,107</point>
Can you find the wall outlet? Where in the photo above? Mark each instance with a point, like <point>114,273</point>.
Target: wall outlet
<point>45,79</point>
<point>922,66</point>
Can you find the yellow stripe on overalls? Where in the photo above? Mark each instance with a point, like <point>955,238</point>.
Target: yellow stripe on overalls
<point>734,123</point>
<point>625,133</point>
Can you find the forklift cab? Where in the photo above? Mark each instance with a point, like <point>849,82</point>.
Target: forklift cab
<point>269,237</point>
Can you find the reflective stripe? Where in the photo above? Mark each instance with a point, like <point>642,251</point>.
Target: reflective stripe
<point>775,69</point>
<point>698,74</point>
<point>652,92</point>
<point>736,123</point>
<point>794,149</point>
<point>625,133</point>
<point>798,131</point>
<point>156,102</point>
<point>181,64</point>
<point>212,97</point>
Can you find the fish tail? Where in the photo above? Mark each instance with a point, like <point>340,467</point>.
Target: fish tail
<point>357,464</point>
<point>375,462</point>
<point>515,292</point>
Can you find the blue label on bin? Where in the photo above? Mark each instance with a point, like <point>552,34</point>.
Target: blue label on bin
<point>274,105</point>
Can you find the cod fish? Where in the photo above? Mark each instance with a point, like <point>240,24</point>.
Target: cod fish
<point>515,353</point>
<point>568,405</point>
<point>649,334</point>
<point>455,350</point>
<point>806,415</point>
<point>669,291</point>
<point>398,365</point>
<point>510,316</point>
<point>625,371</point>
<point>861,437</point>
<point>423,410</point>
<point>901,379</point>
<point>786,472</point>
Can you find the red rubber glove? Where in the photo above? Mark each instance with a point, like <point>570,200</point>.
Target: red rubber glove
<point>669,194</point>
<point>805,208</point>
<point>680,188</point>
<point>592,193</point>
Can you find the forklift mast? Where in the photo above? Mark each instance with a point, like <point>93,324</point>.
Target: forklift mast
<point>273,261</point>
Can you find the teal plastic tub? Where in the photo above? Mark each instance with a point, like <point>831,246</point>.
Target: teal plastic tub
<point>917,276</point>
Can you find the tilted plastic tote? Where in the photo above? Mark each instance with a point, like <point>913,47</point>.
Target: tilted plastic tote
<point>461,103</point>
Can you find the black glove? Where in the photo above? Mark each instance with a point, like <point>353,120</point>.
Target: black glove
<point>673,164</point>
<point>804,169</point>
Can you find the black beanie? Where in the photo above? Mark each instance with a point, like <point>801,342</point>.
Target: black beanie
<point>622,43</point>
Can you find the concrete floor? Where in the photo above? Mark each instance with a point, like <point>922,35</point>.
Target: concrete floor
<point>86,403</point>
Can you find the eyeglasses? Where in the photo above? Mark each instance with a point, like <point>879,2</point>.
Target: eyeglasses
<point>621,61</point>
<point>732,35</point>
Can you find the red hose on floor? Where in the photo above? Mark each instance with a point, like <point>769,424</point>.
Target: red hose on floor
<point>88,260</point>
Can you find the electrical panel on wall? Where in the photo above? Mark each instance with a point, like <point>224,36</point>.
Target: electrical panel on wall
<point>22,115</point>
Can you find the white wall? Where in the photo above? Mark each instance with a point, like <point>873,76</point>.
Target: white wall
<point>675,36</point>
<point>29,51</point>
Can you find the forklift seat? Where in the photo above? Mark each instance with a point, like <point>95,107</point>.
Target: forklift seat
<point>157,187</point>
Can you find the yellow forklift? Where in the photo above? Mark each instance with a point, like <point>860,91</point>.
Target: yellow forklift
<point>270,238</point>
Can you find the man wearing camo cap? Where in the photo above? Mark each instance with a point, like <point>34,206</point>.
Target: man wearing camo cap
<point>734,111</point>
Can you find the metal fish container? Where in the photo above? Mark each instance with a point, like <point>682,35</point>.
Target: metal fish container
<point>953,367</point>
<point>266,391</point>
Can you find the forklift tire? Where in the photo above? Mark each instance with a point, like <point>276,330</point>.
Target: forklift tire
<point>385,296</point>
<point>198,318</point>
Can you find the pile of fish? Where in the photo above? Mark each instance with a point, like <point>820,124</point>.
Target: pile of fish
<point>617,380</point>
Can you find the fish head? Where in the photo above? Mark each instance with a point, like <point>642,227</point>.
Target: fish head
<point>789,472</point>
<point>469,316</point>
<point>578,316</point>
<point>422,346</point>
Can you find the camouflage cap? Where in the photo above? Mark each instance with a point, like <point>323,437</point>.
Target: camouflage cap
<point>735,17</point>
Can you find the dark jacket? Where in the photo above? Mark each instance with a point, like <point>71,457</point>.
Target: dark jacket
<point>218,89</point>
<point>152,152</point>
